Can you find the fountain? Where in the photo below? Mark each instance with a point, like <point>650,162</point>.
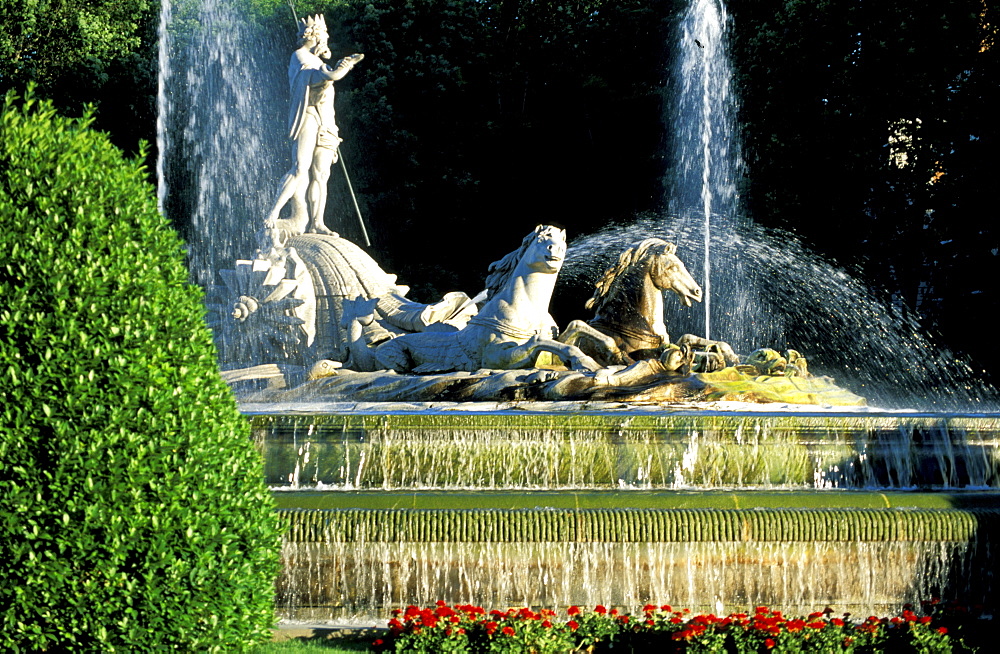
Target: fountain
<point>621,480</point>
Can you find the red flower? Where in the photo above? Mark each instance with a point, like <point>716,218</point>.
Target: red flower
<point>441,603</point>
<point>817,614</point>
<point>769,643</point>
<point>836,622</point>
<point>818,624</point>
<point>546,624</point>
<point>613,612</point>
<point>760,609</point>
<point>573,625</point>
<point>378,642</point>
<point>942,630</point>
<point>649,608</point>
<point>676,620</point>
<point>666,608</point>
<point>573,610</point>
<point>623,619</point>
<point>600,610</point>
<point>795,625</point>
<point>508,631</point>
<point>650,623</point>
<point>683,634</point>
<point>925,620</point>
<point>491,628</point>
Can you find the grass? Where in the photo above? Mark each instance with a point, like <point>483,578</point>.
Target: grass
<point>317,645</point>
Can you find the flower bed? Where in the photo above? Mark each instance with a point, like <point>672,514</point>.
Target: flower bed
<point>467,628</point>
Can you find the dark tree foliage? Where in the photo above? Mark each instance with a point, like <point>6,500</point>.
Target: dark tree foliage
<point>869,136</point>
<point>133,513</point>
<point>77,52</point>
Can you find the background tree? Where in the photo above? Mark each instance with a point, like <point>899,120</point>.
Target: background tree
<point>86,51</point>
<point>867,137</point>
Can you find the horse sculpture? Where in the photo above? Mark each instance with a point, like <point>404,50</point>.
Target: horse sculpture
<point>512,327</point>
<point>628,303</point>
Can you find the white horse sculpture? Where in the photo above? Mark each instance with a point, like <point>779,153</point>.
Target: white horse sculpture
<point>510,330</point>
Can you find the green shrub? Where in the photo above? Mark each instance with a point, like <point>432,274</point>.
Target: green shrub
<point>133,514</point>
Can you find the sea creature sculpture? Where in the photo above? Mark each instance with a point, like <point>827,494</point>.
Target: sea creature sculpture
<point>512,327</point>
<point>766,361</point>
<point>357,315</point>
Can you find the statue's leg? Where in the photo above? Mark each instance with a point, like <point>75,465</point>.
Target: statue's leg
<point>296,180</point>
<point>319,177</point>
<point>523,356</point>
<point>604,347</point>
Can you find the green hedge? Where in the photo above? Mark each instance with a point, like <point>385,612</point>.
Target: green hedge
<point>133,514</point>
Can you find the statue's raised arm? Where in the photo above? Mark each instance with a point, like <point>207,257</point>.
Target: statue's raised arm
<point>313,129</point>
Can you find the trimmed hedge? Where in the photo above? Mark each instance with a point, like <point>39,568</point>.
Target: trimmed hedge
<point>133,513</point>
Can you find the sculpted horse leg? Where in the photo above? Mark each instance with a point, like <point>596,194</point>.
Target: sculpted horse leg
<point>510,356</point>
<point>596,343</point>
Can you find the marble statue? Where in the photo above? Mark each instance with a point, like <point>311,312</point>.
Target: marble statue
<point>511,328</point>
<point>313,130</point>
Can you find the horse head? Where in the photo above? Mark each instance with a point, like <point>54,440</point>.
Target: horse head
<point>667,272</point>
<point>543,250</point>
<point>546,251</point>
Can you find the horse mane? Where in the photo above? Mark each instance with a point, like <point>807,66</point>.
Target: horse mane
<point>635,254</point>
<point>499,272</point>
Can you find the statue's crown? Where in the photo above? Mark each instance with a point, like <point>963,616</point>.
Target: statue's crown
<point>311,26</point>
